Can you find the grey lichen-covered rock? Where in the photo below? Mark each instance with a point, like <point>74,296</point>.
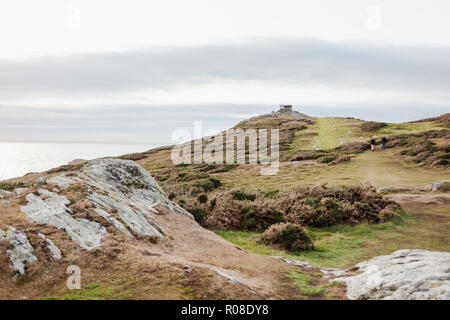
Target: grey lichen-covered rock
<point>129,181</point>
<point>332,272</point>
<point>403,275</point>
<point>54,250</point>
<point>437,186</point>
<point>383,189</point>
<point>20,251</point>
<point>116,223</point>
<point>5,194</point>
<point>62,181</point>
<point>297,263</point>
<point>123,193</point>
<point>19,191</point>
<point>226,276</point>
<point>53,211</point>
<point>135,219</point>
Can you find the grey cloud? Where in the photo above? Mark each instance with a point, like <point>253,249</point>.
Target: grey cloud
<point>290,61</point>
<point>154,124</point>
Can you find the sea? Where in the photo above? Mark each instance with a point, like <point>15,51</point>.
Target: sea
<point>19,158</point>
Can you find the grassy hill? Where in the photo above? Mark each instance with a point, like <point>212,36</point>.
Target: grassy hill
<point>306,147</point>
<point>326,183</point>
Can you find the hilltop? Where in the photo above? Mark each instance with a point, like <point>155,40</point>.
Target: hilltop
<point>140,226</point>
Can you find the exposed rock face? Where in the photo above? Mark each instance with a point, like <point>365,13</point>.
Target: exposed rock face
<point>20,251</point>
<point>56,253</point>
<point>403,275</point>
<point>127,181</point>
<point>120,186</point>
<point>53,211</point>
<point>437,186</point>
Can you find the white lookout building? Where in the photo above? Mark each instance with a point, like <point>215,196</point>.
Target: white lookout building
<point>285,108</point>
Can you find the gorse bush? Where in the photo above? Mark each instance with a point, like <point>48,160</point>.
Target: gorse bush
<point>208,184</point>
<point>256,218</point>
<point>420,149</point>
<point>202,198</point>
<point>10,186</point>
<point>198,213</point>
<point>256,210</point>
<point>242,195</point>
<point>306,206</point>
<point>288,236</point>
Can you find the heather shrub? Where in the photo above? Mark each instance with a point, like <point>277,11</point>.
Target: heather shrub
<point>390,212</point>
<point>271,194</point>
<point>288,236</point>
<point>258,218</point>
<point>315,206</point>
<point>242,195</point>
<point>198,213</point>
<point>445,187</point>
<point>202,198</point>
<point>208,184</point>
<point>10,186</point>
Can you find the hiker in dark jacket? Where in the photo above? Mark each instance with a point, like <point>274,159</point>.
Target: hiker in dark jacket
<point>372,144</point>
<point>383,143</point>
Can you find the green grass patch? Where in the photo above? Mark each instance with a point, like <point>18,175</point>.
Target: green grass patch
<point>337,246</point>
<point>92,291</point>
<point>10,186</point>
<point>307,285</point>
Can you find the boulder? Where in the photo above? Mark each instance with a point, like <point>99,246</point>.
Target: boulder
<point>54,250</point>
<point>114,185</point>
<point>409,274</point>
<point>20,251</point>
<point>438,185</point>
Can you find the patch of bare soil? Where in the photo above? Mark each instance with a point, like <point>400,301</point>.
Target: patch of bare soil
<point>415,200</point>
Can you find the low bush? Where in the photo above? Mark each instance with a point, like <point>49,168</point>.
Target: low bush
<point>198,213</point>
<point>172,196</point>
<point>202,198</point>
<point>389,213</point>
<point>208,184</point>
<point>256,218</point>
<point>445,187</point>
<point>271,194</point>
<point>10,186</point>
<point>372,126</point>
<point>241,195</point>
<point>288,236</point>
<point>318,206</point>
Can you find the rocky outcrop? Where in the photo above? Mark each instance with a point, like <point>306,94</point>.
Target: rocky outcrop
<point>20,251</point>
<point>438,185</point>
<point>56,253</point>
<point>121,193</point>
<point>402,275</point>
<point>53,211</point>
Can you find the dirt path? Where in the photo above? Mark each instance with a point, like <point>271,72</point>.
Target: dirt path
<point>383,168</point>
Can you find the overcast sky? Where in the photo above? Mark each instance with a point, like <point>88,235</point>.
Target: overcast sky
<point>137,70</point>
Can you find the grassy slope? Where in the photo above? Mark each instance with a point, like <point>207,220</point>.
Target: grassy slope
<point>424,226</point>
<point>334,130</point>
<point>343,246</point>
<point>380,168</point>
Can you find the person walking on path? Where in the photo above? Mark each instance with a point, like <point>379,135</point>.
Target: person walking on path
<point>372,144</point>
<point>383,143</point>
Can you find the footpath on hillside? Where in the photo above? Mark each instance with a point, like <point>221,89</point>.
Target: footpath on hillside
<point>380,168</point>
